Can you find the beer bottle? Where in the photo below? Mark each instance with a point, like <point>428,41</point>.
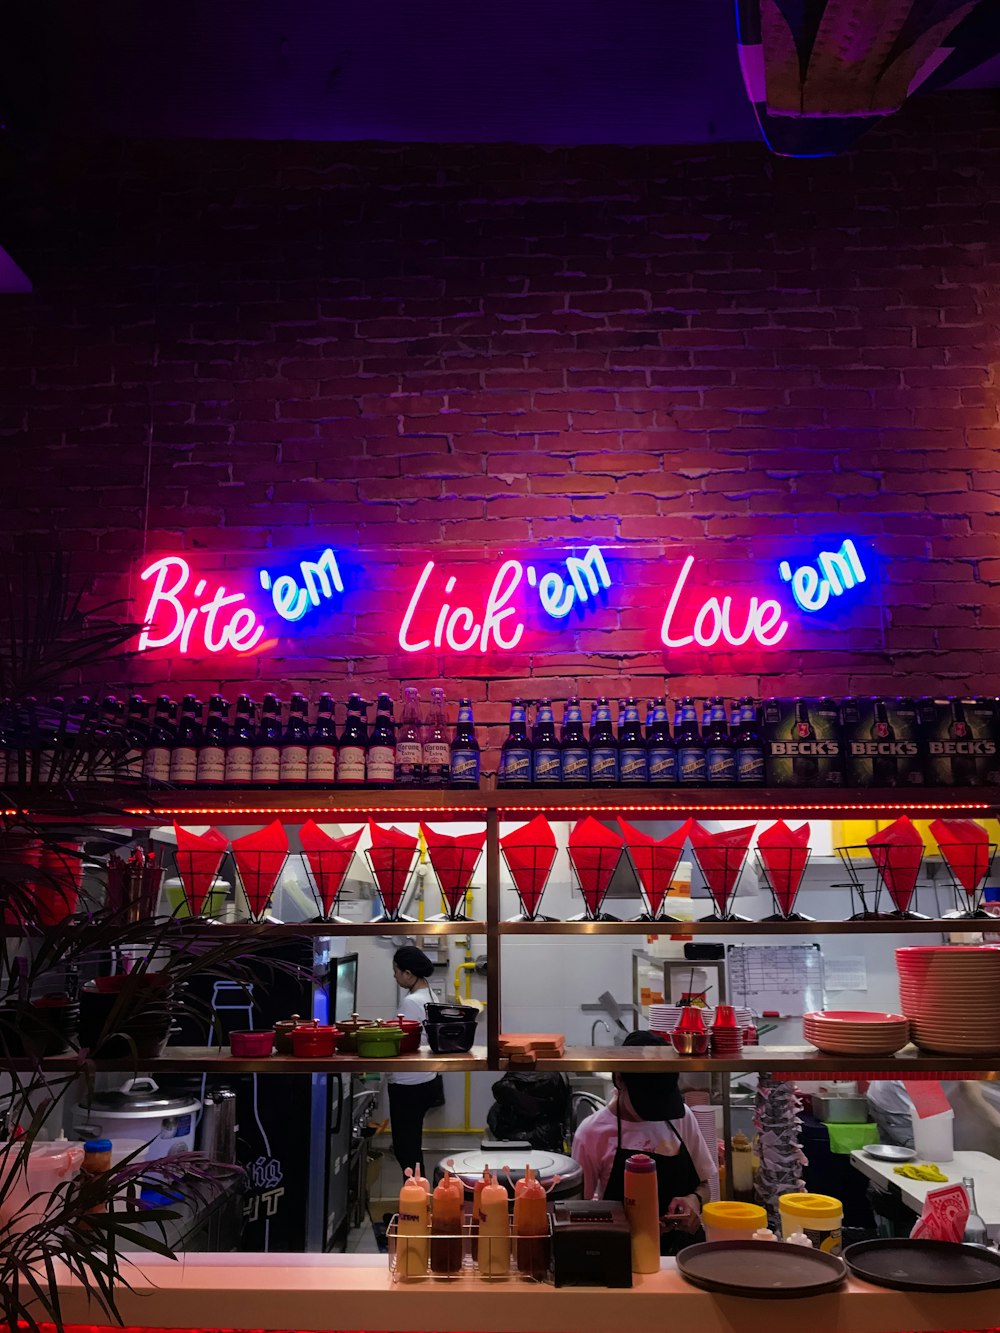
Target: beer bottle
<point>409,749</point>
<point>575,757</point>
<point>239,752</point>
<point>190,735</point>
<point>546,757</point>
<point>437,752</point>
<point>749,746</point>
<point>382,746</point>
<point>885,763</point>
<point>265,769</point>
<point>633,767</point>
<point>107,742</point>
<point>661,752</point>
<point>156,765</point>
<point>603,750</point>
<point>961,749</point>
<point>720,757</point>
<point>515,753</point>
<point>805,764</point>
<point>212,755</point>
<point>353,744</point>
<point>293,766</point>
<point>137,732</point>
<point>690,746</point>
<point>321,762</point>
<point>464,756</point>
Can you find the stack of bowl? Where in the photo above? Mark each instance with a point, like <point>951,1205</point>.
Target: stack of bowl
<point>856,1032</point>
<point>951,995</point>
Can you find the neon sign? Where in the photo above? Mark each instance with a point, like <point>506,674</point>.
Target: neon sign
<point>239,628</point>
<point>838,572</point>
<point>319,578</point>
<point>459,610</point>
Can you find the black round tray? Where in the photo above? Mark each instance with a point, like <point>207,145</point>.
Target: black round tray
<point>924,1265</point>
<point>765,1269</point>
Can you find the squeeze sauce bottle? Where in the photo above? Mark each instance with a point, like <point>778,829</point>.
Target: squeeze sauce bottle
<point>413,1228</point>
<point>494,1231</point>
<point>642,1209</point>
<point>531,1226</point>
<point>446,1225</point>
<point>476,1196</point>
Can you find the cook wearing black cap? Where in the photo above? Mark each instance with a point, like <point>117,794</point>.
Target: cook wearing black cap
<point>411,1096</point>
<point>648,1115</point>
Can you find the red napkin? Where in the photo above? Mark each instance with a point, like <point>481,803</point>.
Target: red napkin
<point>720,858</point>
<point>329,859</point>
<point>897,852</point>
<point>928,1097</point>
<point>391,856</point>
<point>259,857</point>
<point>595,852</point>
<point>454,859</point>
<point>784,852</point>
<point>529,852</point>
<point>199,856</point>
<point>965,845</point>
<point>944,1215</point>
<point>654,859</point>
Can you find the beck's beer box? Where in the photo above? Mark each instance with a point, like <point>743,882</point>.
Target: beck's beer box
<point>882,743</point>
<point>802,746</point>
<point>961,739</point>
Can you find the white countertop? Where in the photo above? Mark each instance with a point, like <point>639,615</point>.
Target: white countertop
<point>323,1292</point>
<point>980,1166</point>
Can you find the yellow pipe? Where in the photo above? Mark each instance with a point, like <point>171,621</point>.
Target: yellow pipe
<point>468,968</point>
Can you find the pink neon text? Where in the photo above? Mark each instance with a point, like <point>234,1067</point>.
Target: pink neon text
<point>458,627</point>
<point>237,628</point>
<point>713,620</point>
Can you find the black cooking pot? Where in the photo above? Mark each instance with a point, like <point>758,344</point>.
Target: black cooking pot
<point>450,1013</point>
<point>451,1038</point>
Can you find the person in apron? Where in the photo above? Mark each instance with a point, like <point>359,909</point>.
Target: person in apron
<point>652,1109</point>
<point>411,1096</point>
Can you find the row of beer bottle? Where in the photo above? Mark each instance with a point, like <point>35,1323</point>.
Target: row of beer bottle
<point>724,749</point>
<point>183,744</point>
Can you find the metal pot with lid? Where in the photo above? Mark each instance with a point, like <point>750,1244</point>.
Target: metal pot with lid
<point>469,1167</point>
<point>139,1110</point>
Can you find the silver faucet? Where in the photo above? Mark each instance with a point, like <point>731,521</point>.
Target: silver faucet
<point>598,1023</point>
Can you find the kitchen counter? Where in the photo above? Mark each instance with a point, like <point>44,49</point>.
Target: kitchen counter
<point>347,1292</point>
<point>981,1167</point>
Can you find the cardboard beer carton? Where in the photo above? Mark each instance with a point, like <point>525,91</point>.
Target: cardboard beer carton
<point>962,741</point>
<point>882,742</point>
<point>802,746</point>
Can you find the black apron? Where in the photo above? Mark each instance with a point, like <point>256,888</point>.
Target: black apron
<point>675,1177</point>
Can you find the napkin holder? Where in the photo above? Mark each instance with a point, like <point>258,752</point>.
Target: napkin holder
<point>591,1244</point>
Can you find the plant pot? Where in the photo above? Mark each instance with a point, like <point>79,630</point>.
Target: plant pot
<point>38,1028</point>
<point>141,1028</point>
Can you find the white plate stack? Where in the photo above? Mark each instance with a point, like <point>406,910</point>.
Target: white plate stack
<point>951,995</point>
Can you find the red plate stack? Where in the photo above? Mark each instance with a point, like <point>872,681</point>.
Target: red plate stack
<point>856,1032</point>
<point>951,995</point>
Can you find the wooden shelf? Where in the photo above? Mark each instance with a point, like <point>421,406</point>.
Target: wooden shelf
<point>741,928</point>
<point>211,1060</point>
<point>802,1060</point>
<point>138,806</point>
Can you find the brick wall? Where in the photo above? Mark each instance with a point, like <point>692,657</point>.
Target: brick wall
<point>234,347</point>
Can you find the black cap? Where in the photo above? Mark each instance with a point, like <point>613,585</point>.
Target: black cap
<point>411,959</point>
<point>654,1096</point>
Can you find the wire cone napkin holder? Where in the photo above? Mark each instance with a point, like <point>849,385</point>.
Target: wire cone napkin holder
<point>785,863</point>
<point>393,873</point>
<point>530,870</point>
<point>325,870</point>
<point>969,902</point>
<point>454,896</point>
<point>729,863</point>
<point>869,873</point>
<point>195,869</point>
<point>594,877</point>
<point>257,873</point>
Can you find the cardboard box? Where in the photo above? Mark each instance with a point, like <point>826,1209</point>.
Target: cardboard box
<point>802,746</point>
<point>882,742</point>
<point>962,742</point>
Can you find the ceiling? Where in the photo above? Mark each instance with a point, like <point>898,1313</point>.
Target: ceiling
<point>535,71</point>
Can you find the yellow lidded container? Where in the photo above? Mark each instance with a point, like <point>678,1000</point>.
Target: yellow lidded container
<point>818,1216</point>
<point>731,1220</point>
